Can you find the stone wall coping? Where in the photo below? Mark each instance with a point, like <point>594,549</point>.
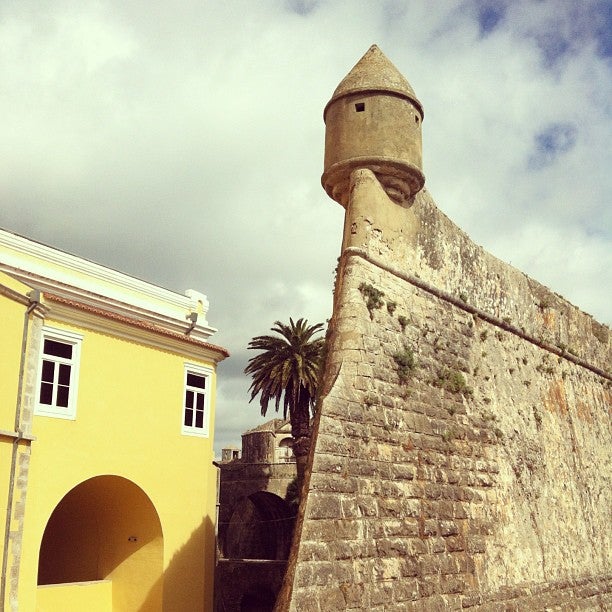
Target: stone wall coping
<point>485,316</point>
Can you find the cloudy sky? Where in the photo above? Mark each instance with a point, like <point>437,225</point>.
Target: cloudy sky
<point>182,142</point>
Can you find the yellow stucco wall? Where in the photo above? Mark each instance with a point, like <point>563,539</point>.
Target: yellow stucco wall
<point>77,597</point>
<point>128,424</point>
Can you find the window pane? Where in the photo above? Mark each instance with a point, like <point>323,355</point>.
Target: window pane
<point>188,417</point>
<point>47,371</point>
<point>62,397</point>
<point>59,349</point>
<point>189,399</point>
<point>194,380</point>
<point>46,393</point>
<point>64,374</point>
<point>200,401</point>
<point>199,419</point>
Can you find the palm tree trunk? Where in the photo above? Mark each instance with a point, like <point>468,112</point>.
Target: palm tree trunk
<point>300,431</point>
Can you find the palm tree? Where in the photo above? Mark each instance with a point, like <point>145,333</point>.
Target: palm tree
<point>288,369</point>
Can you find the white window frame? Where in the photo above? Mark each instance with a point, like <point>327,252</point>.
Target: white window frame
<point>75,340</point>
<point>206,372</point>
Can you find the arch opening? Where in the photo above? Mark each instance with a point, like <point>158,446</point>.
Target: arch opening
<point>105,528</point>
<point>260,527</point>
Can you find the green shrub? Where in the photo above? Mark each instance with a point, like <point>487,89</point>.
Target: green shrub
<point>405,362</point>
<point>372,296</point>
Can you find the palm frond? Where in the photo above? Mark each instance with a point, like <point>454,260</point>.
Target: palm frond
<point>287,368</point>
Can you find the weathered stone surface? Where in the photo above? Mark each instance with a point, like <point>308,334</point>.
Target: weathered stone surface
<point>465,467</point>
<point>474,413</point>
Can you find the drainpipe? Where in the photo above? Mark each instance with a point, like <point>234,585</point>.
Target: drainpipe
<point>217,505</point>
<point>33,302</point>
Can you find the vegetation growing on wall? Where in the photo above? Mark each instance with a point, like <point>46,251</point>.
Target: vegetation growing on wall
<point>405,362</point>
<point>452,381</point>
<point>449,434</point>
<point>372,296</point>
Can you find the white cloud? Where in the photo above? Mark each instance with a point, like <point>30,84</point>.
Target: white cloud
<point>183,143</point>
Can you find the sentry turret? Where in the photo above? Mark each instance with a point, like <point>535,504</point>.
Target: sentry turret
<point>373,120</point>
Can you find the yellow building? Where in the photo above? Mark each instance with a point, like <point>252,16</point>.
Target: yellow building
<point>107,400</point>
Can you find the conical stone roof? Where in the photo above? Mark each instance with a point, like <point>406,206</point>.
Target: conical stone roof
<point>375,72</point>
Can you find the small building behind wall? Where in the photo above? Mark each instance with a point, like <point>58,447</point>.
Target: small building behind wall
<point>270,442</point>
<point>107,400</point>
<point>256,516</point>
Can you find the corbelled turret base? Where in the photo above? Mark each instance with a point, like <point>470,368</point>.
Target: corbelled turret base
<point>399,179</point>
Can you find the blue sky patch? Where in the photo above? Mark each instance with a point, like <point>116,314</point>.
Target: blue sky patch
<point>586,22</point>
<point>553,46</point>
<point>302,7</point>
<point>552,142</point>
<point>490,13</point>
<point>602,29</point>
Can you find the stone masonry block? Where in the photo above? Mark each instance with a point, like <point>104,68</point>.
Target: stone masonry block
<point>381,594</point>
<point>306,601</point>
<point>387,569</point>
<point>326,530</point>
<point>303,575</point>
<point>411,507</point>
<point>401,471</point>
<point>323,573</point>
<point>455,543</point>
<point>332,445</point>
<point>353,595</point>
<point>429,565</point>
<point>329,464</point>
<point>315,551</point>
<point>388,507</point>
<point>392,547</point>
<point>436,545</point>
<point>405,527</point>
<point>448,528</point>
<point>367,506</point>
<point>323,506</point>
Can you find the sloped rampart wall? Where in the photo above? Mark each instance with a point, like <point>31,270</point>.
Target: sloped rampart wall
<point>462,448</point>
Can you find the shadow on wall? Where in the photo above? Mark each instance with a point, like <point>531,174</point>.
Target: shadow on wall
<point>190,567</point>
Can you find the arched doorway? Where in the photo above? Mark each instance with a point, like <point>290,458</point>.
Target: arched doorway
<point>284,452</point>
<point>105,528</point>
<point>260,527</point>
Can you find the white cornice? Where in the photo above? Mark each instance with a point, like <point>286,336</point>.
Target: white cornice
<point>119,329</point>
<point>86,282</point>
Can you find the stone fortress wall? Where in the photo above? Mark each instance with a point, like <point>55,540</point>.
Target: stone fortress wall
<point>462,447</point>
